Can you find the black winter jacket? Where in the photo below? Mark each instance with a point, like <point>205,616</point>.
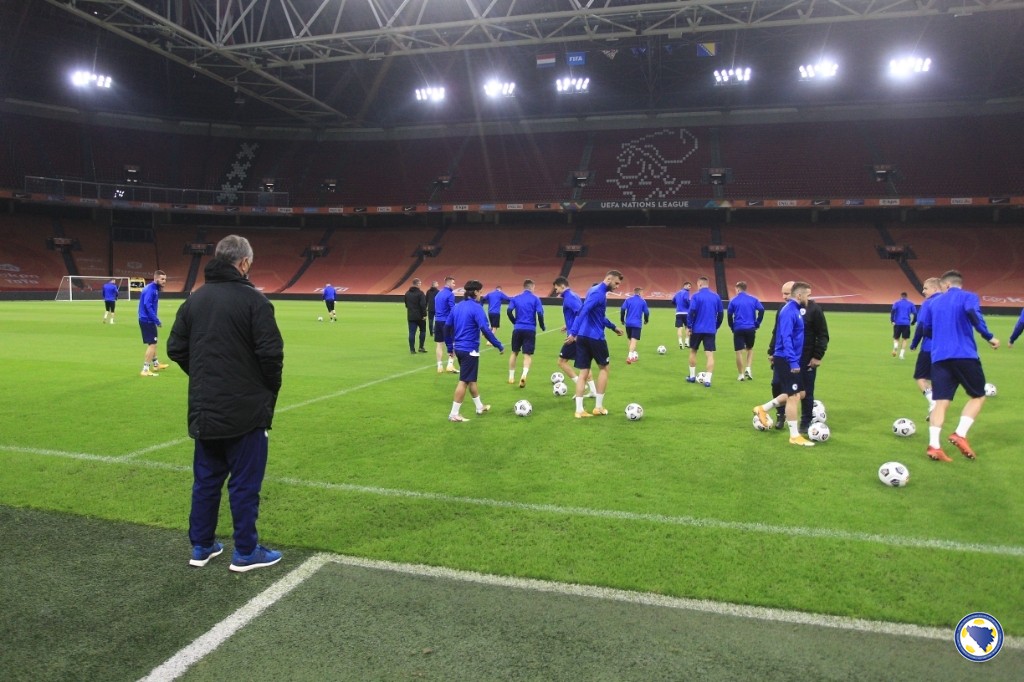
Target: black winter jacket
<point>226,340</point>
<point>415,304</point>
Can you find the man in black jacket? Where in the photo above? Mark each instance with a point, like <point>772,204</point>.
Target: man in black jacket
<point>225,338</point>
<point>416,313</point>
<point>431,294</point>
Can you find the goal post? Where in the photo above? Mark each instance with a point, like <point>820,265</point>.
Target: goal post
<point>84,288</point>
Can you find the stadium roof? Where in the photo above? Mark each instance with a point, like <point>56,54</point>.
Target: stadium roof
<point>355,63</point>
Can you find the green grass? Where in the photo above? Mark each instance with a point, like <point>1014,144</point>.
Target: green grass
<point>690,501</point>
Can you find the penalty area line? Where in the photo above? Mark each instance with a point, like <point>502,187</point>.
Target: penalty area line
<point>178,665</point>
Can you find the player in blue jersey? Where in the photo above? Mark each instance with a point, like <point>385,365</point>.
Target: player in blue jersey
<point>1017,329</point>
<point>493,302</point>
<point>633,314</point>
<point>923,368</point>
<point>903,317</point>
<point>705,317</point>
<point>787,359</point>
<point>526,312</point>
<point>571,305</point>
<point>951,320</point>
<point>587,330</point>
<point>745,313</point>
<point>444,301</point>
<point>109,300</point>
<point>149,320</point>
<point>330,295</point>
<point>682,303</point>
<point>467,322</point>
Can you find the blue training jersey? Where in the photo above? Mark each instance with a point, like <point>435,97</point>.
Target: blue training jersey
<point>149,301</point>
<point>468,320</point>
<point>951,320</point>
<point>571,305</point>
<point>682,301</point>
<point>919,337</point>
<point>494,300</point>
<point>904,312</point>
<point>591,321</point>
<point>443,304</point>
<point>706,312</point>
<point>330,293</point>
<point>745,312</point>
<point>109,291</point>
<point>789,336</point>
<point>1018,328</point>
<point>634,311</point>
<point>526,311</point>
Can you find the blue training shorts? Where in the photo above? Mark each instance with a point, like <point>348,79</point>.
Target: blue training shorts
<point>708,340</point>
<point>469,365</point>
<point>788,381</point>
<point>148,332</point>
<point>743,339</point>
<point>923,368</point>
<point>588,350</point>
<point>524,340</point>
<point>568,351</point>
<point>947,375</point>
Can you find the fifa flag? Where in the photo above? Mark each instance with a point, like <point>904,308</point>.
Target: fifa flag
<point>707,49</point>
<point>544,60</point>
<point>576,58</point>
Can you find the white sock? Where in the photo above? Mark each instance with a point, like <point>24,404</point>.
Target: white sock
<point>901,354</point>
<point>511,375</point>
<point>592,387</point>
<point>439,365</point>
<point>526,370</point>
<point>742,376</point>
<point>455,409</point>
<point>749,372</point>
<point>927,394</point>
<point>693,372</point>
<point>964,426</point>
<point>933,436</point>
<point>579,404</point>
<point>478,401</point>
<point>600,400</point>
<point>709,377</point>
<point>794,429</point>
<point>770,405</point>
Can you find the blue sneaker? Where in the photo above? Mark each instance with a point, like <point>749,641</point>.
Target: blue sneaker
<point>707,384</point>
<point>691,380</point>
<point>202,555</point>
<point>260,557</point>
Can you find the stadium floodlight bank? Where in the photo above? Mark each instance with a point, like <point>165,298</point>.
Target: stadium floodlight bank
<point>82,288</point>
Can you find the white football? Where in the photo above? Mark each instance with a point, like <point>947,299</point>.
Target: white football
<point>320,318</point>
<point>904,427</point>
<point>560,388</point>
<point>893,474</point>
<point>557,377</point>
<point>990,390</point>
<point>634,412</point>
<point>818,413</point>
<point>819,431</point>
<point>702,377</point>
<point>662,350</point>
<point>523,408</point>
<point>761,427</point>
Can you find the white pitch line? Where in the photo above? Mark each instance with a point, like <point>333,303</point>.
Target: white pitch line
<point>662,519</point>
<point>178,665</point>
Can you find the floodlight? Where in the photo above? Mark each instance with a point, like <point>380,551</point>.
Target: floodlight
<point>732,76</point>
<point>85,79</point>
<point>430,94</point>
<point>823,69</point>
<point>494,88</point>
<point>905,67</point>
<point>572,85</point>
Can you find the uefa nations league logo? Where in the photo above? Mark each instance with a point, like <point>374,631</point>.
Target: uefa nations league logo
<point>979,637</point>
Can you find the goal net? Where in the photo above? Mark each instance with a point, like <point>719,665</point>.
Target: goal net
<point>81,288</point>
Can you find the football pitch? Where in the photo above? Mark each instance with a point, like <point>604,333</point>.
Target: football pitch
<point>370,488</point>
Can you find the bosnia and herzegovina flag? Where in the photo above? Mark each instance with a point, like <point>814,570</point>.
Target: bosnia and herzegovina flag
<point>707,49</point>
<point>544,60</point>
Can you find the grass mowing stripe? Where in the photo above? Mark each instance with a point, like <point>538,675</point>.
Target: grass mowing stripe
<point>650,599</point>
<point>177,665</point>
<point>761,528</point>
